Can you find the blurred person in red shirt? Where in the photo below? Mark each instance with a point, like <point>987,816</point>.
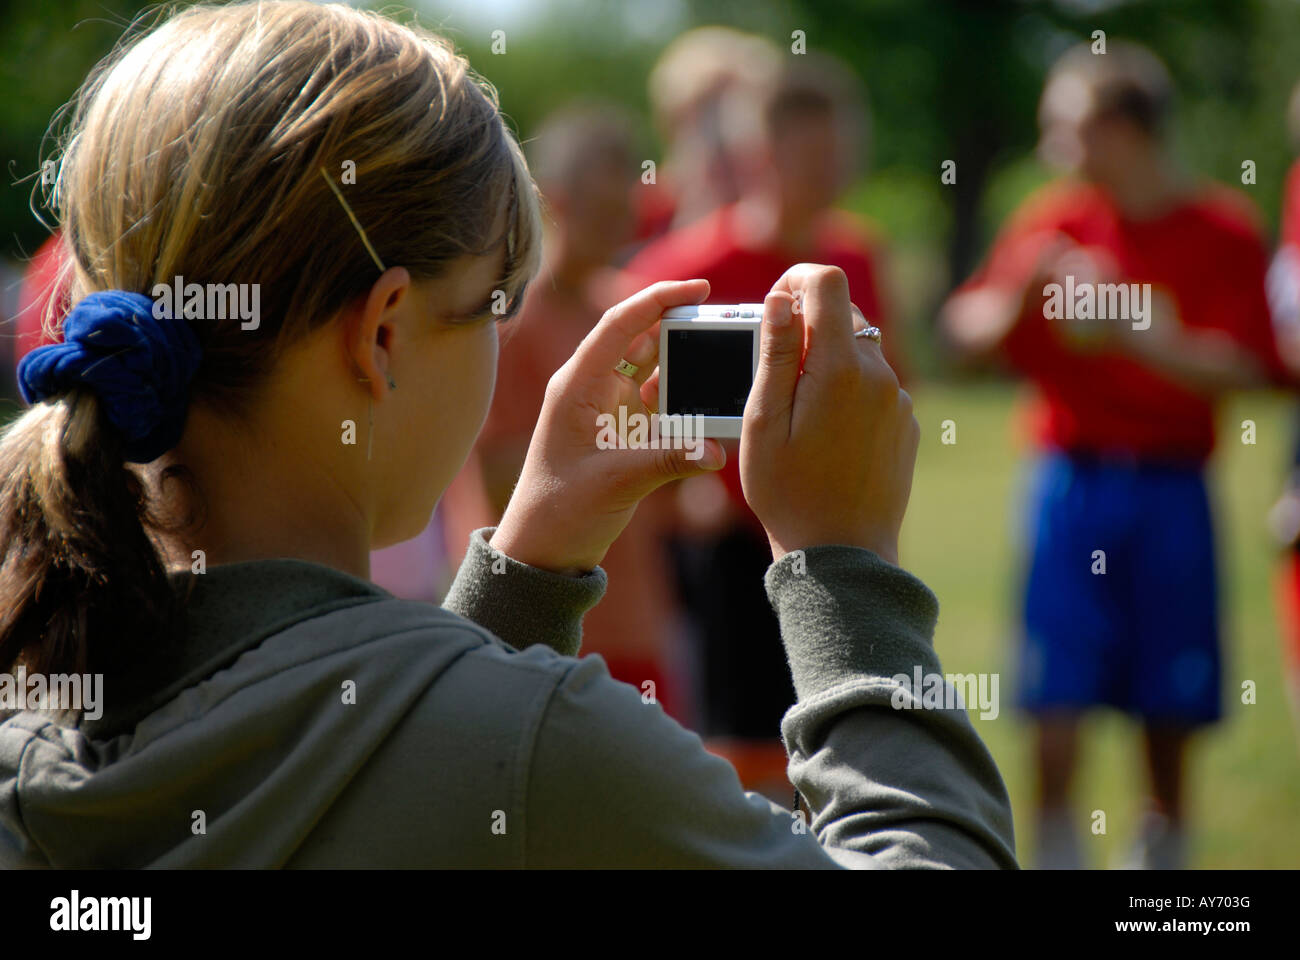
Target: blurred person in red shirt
<point>797,140</point>
<point>1284,519</point>
<point>689,86</point>
<point>584,162</point>
<point>42,299</point>
<point>1131,298</point>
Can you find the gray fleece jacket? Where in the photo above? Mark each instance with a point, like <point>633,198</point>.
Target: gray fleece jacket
<point>310,719</point>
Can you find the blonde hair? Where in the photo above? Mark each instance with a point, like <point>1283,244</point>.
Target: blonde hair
<point>196,150</point>
<point>1128,81</point>
<point>702,64</point>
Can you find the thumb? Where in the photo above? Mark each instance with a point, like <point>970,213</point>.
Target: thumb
<point>779,356</point>
<point>693,456</point>
<point>646,470</point>
<point>676,461</point>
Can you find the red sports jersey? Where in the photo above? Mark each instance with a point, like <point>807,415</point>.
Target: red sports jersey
<point>1206,255</point>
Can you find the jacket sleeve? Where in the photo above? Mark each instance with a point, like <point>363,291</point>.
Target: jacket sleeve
<point>617,782</point>
<point>521,604</point>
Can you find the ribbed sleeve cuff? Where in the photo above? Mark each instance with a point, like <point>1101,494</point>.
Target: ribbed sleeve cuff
<point>847,613</point>
<point>521,604</point>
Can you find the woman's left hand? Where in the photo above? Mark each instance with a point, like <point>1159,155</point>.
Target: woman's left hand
<point>574,498</point>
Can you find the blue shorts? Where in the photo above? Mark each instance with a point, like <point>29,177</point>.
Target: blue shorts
<point>1144,635</point>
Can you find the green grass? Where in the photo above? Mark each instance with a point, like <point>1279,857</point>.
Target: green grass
<point>1244,776</point>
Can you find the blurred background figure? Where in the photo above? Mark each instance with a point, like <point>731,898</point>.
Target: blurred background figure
<point>1284,519</point>
<point>1120,602</point>
<point>689,85</point>
<point>795,139</point>
<point>42,298</point>
<point>584,161</point>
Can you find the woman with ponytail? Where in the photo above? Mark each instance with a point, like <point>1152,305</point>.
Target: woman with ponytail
<point>188,507</point>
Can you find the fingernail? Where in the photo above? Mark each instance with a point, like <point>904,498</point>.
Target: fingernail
<point>780,314</point>
<point>711,459</point>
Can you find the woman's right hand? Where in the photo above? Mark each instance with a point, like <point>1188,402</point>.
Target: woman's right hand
<point>826,452</point>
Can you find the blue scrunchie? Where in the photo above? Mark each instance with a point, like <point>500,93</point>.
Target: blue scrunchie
<point>138,365</point>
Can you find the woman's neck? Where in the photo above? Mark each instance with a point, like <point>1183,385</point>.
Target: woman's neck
<point>259,501</point>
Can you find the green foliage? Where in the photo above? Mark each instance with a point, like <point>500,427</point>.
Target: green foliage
<point>46,50</point>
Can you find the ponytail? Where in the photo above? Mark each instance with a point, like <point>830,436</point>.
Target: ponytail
<point>77,565</point>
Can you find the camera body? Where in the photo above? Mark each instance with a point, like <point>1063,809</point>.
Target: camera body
<point>708,357</point>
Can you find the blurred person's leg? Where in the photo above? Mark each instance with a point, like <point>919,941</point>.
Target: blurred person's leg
<point>1284,520</point>
<point>745,679</point>
<point>1073,636</point>
<point>1161,842</point>
<point>1288,603</point>
<point>1165,751</point>
<point>1057,758</point>
<point>1175,683</point>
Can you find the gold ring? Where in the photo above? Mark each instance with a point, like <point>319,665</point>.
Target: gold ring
<point>626,368</point>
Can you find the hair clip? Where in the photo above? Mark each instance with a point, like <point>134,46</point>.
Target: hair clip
<point>355,222</point>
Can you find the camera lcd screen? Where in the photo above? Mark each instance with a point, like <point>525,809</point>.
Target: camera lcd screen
<point>709,372</point>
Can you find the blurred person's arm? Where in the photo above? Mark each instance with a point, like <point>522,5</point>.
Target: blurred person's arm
<point>983,314</point>
<point>976,322</point>
<point>1284,305</point>
<point>1242,351</point>
<point>703,507</point>
<point>1208,361</point>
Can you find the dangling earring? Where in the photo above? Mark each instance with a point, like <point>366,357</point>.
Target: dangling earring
<point>370,413</point>
<point>370,419</point>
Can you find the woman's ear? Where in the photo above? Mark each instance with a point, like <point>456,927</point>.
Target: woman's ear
<point>371,329</point>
